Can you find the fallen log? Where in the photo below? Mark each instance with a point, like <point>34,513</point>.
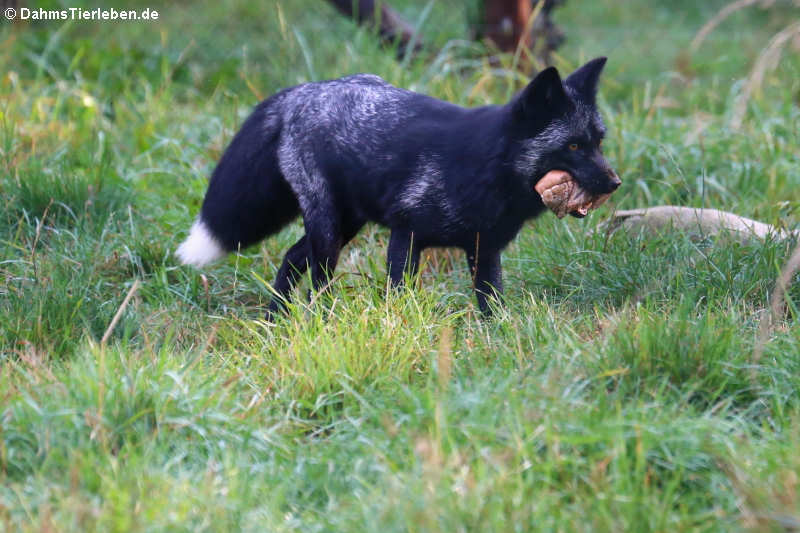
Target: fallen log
<point>701,222</point>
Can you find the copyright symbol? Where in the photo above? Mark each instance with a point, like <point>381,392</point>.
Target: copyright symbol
<point>10,13</point>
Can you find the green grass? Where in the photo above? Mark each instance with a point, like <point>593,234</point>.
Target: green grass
<point>618,389</point>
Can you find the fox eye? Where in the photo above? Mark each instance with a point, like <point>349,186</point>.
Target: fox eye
<point>573,147</point>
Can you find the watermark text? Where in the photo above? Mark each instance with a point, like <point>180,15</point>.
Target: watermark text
<point>80,14</point>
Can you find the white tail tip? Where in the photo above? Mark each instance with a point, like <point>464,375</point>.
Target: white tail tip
<point>200,248</point>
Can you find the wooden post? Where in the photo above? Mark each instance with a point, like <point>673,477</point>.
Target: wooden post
<point>506,22</point>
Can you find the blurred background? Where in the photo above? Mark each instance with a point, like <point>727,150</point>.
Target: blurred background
<point>278,43</point>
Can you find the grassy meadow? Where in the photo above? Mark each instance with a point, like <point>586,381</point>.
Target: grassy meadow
<point>622,387</point>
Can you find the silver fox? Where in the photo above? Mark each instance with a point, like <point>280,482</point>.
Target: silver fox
<point>354,150</point>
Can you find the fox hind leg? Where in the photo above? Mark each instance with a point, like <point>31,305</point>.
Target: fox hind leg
<point>295,264</point>
<point>327,236</point>
<point>328,228</point>
<point>317,250</point>
<point>297,261</point>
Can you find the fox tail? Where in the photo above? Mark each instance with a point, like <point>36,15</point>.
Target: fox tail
<point>248,197</point>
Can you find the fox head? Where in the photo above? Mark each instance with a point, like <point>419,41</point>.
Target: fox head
<point>557,127</point>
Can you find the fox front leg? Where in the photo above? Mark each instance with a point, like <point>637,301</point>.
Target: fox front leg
<point>487,275</point>
<point>403,255</point>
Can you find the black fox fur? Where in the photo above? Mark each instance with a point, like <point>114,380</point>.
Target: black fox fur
<point>353,150</point>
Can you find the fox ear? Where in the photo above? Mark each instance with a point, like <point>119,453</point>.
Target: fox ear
<point>544,95</point>
<point>584,80</point>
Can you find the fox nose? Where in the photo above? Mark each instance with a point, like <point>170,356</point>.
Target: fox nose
<point>614,182</point>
